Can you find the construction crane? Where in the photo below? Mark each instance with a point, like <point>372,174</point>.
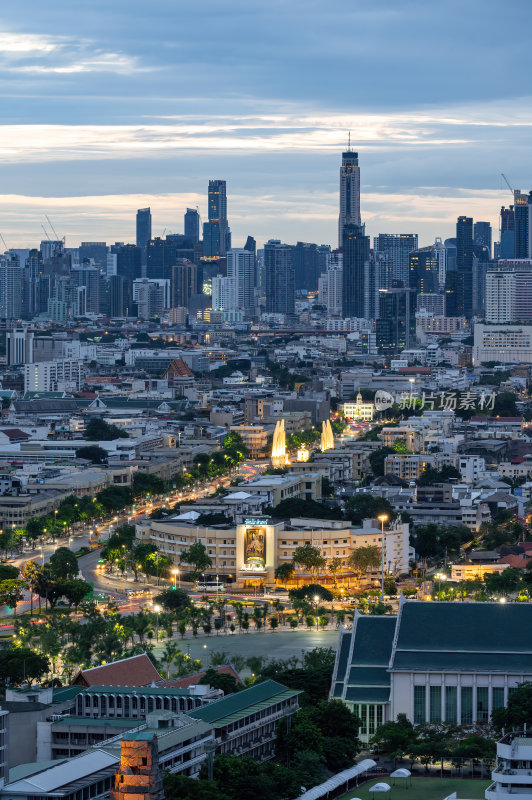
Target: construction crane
<point>52,227</point>
<point>45,232</point>
<point>507,182</point>
<point>4,241</point>
<point>199,215</point>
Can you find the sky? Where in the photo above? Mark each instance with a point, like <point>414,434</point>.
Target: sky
<point>113,105</point>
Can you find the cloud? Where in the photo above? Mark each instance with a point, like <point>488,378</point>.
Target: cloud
<point>296,131</point>
<point>39,54</point>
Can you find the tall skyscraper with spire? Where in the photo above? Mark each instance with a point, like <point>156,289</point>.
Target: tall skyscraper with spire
<point>349,191</point>
<point>216,233</point>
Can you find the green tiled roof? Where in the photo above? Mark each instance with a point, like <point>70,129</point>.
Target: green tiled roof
<point>343,656</point>
<point>237,705</point>
<point>369,676</point>
<point>373,640</point>
<point>156,691</point>
<point>66,693</point>
<point>98,723</point>
<point>464,662</point>
<point>474,627</point>
<point>356,694</point>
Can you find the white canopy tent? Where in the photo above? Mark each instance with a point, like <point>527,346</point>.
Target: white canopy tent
<point>330,787</point>
<point>379,787</point>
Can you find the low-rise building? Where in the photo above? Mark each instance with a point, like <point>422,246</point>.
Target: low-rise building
<point>435,662</point>
<point>245,722</point>
<point>475,571</point>
<point>512,775</point>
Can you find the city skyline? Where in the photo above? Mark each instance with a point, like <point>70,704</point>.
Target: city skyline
<point>106,112</point>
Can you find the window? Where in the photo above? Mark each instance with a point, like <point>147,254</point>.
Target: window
<point>482,703</point>
<point>497,697</point>
<point>419,705</point>
<point>435,704</point>
<point>451,709</point>
<point>466,694</point>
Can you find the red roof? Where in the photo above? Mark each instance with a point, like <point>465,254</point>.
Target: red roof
<point>192,680</point>
<point>15,433</point>
<point>133,671</point>
<point>518,562</point>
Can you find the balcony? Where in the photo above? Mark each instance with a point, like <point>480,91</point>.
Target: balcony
<point>523,777</point>
<point>508,793</point>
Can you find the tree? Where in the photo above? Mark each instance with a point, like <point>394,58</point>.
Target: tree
<point>21,664</point>
<point>366,558</point>
<point>365,506</point>
<point>297,507</point>
<point>98,430</point>
<point>503,583</point>
<point>377,458</point>
<point>76,590</point>
<point>395,739</point>
<point>180,787</point>
<point>63,564</point>
<point>175,600</point>
<point>115,498</point>
<point>431,476</point>
<point>220,680</point>
<point>310,592</point>
<point>334,566</point>
<point>309,558</point>
<point>170,652</point>
<point>518,711</point>
<point>143,483</point>
<point>197,557</point>
<point>92,453</point>
<point>11,592</point>
<point>284,572</point>
<point>32,575</point>
<point>8,572</point>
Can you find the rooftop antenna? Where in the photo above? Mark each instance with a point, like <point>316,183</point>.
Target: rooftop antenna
<point>349,141</point>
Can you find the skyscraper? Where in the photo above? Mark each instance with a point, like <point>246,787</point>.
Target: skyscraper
<point>11,274</point>
<point>216,233</point>
<point>143,230</point>
<point>424,269</point>
<point>355,275</point>
<point>349,192</point>
<point>241,269</point>
<point>397,246</point>
<point>184,281</point>
<point>482,235</point>
<point>464,266</point>
<point>279,277</point>
<point>306,265</point>
<point>396,326</point>
<point>507,244</point>
<point>192,224</point>
<point>523,224</point>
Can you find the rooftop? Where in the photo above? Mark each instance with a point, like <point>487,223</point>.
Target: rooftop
<point>240,704</point>
<point>133,671</point>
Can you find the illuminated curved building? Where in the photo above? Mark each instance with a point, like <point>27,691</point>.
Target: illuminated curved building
<point>327,437</point>
<point>279,458</point>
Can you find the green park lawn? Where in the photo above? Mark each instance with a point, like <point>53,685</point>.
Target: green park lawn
<point>422,789</point>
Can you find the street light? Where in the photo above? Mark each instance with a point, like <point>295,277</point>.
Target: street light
<point>175,573</point>
<point>441,576</point>
<point>316,600</point>
<point>382,519</point>
<point>157,608</point>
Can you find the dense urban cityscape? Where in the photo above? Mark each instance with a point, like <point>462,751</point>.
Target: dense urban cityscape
<point>265,503</point>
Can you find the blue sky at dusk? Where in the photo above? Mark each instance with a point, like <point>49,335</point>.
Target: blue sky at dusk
<point>110,106</point>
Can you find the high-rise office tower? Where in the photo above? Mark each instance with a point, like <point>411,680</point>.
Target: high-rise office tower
<point>184,283</point>
<point>507,243</point>
<point>120,300</point>
<point>50,248</point>
<point>306,266</point>
<point>355,275</point>
<point>90,278</point>
<point>397,246</point>
<point>395,328</point>
<point>241,269</point>
<point>349,193</point>
<point>216,233</point>
<point>11,276</point>
<point>143,230</point>
<point>424,270</point>
<point>192,224</point>
<point>279,277</point>
<point>464,266</point>
<point>482,235</point>
<point>97,251</point>
<point>128,261</point>
<point>523,224</point>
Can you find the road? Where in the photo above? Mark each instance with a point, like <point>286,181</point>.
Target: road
<point>115,585</point>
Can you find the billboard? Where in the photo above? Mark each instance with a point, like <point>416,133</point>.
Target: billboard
<point>255,546</point>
